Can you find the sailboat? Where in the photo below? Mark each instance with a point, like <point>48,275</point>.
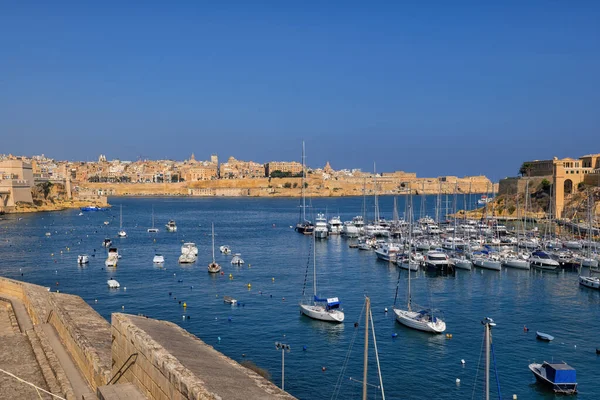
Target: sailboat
<point>422,320</point>
<point>121,233</point>
<point>153,229</point>
<point>304,226</point>
<point>365,384</point>
<point>213,267</point>
<point>407,261</point>
<point>327,309</point>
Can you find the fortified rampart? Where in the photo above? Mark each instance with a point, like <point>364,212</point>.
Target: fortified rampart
<point>136,358</point>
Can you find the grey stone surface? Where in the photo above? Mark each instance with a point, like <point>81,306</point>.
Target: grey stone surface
<point>216,373</point>
<point>120,391</point>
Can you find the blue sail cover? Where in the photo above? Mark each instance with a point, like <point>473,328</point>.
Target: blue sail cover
<point>332,302</point>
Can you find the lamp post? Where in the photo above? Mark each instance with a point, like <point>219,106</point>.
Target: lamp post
<point>283,347</point>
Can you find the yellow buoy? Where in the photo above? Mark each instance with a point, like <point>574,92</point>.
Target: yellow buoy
<point>249,286</point>
<point>184,305</point>
<point>273,279</point>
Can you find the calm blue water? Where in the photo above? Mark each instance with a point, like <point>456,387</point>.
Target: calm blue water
<point>414,365</point>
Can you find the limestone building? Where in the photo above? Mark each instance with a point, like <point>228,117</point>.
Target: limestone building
<point>16,181</point>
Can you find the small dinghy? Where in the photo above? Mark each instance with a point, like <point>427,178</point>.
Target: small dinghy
<point>83,259</point>
<point>225,249</point>
<point>113,284</point>
<point>562,378</point>
<point>229,300</point>
<point>544,336</point>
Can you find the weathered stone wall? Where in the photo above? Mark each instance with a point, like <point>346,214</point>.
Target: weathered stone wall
<point>512,186</point>
<point>84,333</point>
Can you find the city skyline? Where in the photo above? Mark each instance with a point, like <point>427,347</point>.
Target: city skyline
<point>443,89</point>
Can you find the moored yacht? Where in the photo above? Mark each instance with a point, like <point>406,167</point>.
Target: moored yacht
<point>113,257</point>
<point>335,225</point>
<point>542,260</point>
<point>321,231</point>
<point>593,282</point>
<point>237,259</point>
<point>436,260</point>
<point>158,259</point>
<point>171,226</point>
<point>83,259</point>
<point>387,251</point>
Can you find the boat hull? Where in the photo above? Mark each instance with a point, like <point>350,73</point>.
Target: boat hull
<point>413,266</point>
<point>321,314</point>
<point>487,264</point>
<point>463,264</point>
<point>565,388</point>
<point>409,319</point>
<point>590,282</point>
<point>515,263</point>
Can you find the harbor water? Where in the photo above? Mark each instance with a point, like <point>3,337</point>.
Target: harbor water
<point>269,286</point>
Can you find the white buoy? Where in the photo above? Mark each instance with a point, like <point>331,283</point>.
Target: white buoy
<point>462,362</point>
<point>125,288</point>
<point>457,381</point>
<point>385,309</point>
<point>514,397</point>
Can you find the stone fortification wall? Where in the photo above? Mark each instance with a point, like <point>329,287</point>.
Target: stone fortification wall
<point>140,356</point>
<point>84,333</point>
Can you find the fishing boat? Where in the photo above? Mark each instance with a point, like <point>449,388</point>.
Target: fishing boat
<point>237,259</point>
<point>424,319</point>
<point>171,226</point>
<point>83,259</point>
<point>562,378</point>
<point>544,336</point>
<point>158,259</point>
<point>213,267</point>
<point>121,233</point>
<point>323,309</point>
<point>304,226</point>
<point>113,284</point>
<point>113,257</point>
<point>153,229</point>
<point>93,208</point>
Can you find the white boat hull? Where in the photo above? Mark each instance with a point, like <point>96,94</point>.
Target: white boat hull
<point>412,265</point>
<point>487,264</point>
<point>591,282</point>
<point>321,234</point>
<point>409,319</point>
<point>462,264</point>
<point>320,313</point>
<point>516,263</point>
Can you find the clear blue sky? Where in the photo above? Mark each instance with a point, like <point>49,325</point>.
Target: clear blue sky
<point>436,87</point>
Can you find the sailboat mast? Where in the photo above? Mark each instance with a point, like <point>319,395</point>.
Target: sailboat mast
<point>487,361</point>
<point>213,241</point>
<point>375,190</point>
<point>121,217</point>
<point>314,265</point>
<point>409,243</point>
<point>303,180</point>
<point>366,350</point>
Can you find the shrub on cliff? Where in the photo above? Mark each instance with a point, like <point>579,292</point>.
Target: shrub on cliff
<point>261,371</point>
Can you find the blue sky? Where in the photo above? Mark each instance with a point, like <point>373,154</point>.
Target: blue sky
<point>436,87</point>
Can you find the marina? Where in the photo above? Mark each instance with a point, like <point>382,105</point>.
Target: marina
<point>267,290</point>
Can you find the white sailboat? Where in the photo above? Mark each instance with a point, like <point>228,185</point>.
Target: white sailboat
<point>422,320</point>
<point>153,229</point>
<point>121,233</point>
<point>213,267</point>
<point>304,226</point>
<point>327,309</point>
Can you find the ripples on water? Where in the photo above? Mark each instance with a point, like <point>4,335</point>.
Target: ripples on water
<point>414,365</point>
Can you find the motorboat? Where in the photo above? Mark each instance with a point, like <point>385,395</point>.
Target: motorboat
<point>48,234</point>
<point>122,234</point>
<point>225,249</point>
<point>213,267</point>
<point>562,378</point>
<point>189,248</point>
<point>80,214</point>
<point>171,226</point>
<point>542,260</point>
<point>335,225</point>
<point>387,251</point>
<point>305,227</point>
<point>436,260</point>
<point>106,222</point>
<point>321,231</point>
<point>350,230</point>
<point>454,243</point>
<point>544,336</point>
<point>113,284</point>
<point>377,230</point>
<point>107,242</point>
<point>93,208</point>
<point>592,282</point>
<point>158,259</point>
<point>187,258</point>
<point>113,257</point>
<point>83,259</point>
<point>237,259</point>
<point>229,300</point>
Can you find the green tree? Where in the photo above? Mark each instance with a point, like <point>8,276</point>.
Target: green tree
<point>287,185</point>
<point>545,185</point>
<point>580,186</point>
<point>525,169</point>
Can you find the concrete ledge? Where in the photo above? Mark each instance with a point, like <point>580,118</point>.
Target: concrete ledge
<point>174,364</point>
<point>55,366</point>
<point>42,361</point>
